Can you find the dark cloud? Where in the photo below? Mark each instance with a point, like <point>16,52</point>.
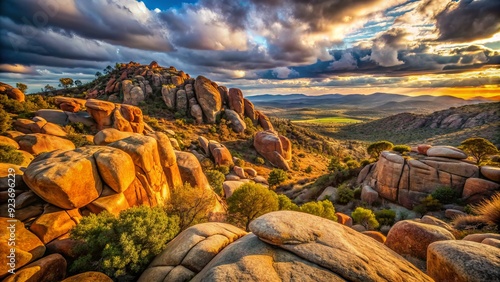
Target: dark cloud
<point>469,20</point>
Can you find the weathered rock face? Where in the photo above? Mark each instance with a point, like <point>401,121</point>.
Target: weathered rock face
<point>168,95</point>
<point>122,117</point>
<point>264,121</point>
<point>208,97</point>
<point>73,179</point>
<point>39,143</point>
<point>446,152</point>
<point>110,135</point>
<point>477,189</point>
<point>54,222</point>
<point>191,171</point>
<point>69,104</point>
<point>46,269</point>
<point>276,149</point>
<point>308,248</point>
<point>168,159</point>
<point>90,276</point>
<point>411,238</point>
<point>463,261</point>
<point>39,125</point>
<point>189,252</point>
<point>491,173</point>
<point>11,92</point>
<point>407,181</point>
<point>236,122</point>
<point>250,111</point>
<point>236,101</point>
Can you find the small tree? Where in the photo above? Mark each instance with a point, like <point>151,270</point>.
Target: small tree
<point>386,217</point>
<point>98,74</point>
<point>191,205</point>
<point>276,177</point>
<point>323,209</point>
<point>10,155</point>
<point>78,82</point>
<point>335,165</point>
<point>249,202</point>
<point>108,70</point>
<point>5,120</point>
<point>215,179</point>
<point>479,148</point>
<point>66,82</point>
<point>401,149</point>
<point>378,147</point>
<point>49,88</point>
<point>286,204</point>
<point>344,194</point>
<point>21,86</point>
<point>365,217</point>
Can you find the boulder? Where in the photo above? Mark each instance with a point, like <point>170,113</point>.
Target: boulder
<point>11,92</point>
<point>90,276</point>
<point>54,116</point>
<point>375,235</point>
<point>177,80</point>
<point>53,129</point>
<point>204,145</point>
<point>168,95</point>
<point>71,102</point>
<point>120,116</point>
<point>250,171</point>
<point>288,244</point>
<point>490,172</point>
<point>208,97</point>
<point>38,143</point>
<point>110,135</point>
<point>235,121</point>
<point>240,172</point>
<point>329,193</point>
<point>462,261</point>
<point>446,152</point>
<point>12,134</point>
<point>236,101</point>
<point>54,222</point>
<point>114,203</point>
<point>47,269</point>
<point>197,113</point>
<point>231,186</point>
<point>368,195</point>
<point>423,148</point>
<point>344,219</point>
<point>411,238</point>
<point>232,177</point>
<point>492,242</point>
<point>477,189</point>
<point>222,156</point>
<point>479,237</point>
<point>63,245</point>
<point>276,149</point>
<point>452,166</point>
<point>264,121</point>
<point>28,246</point>
<point>191,171</point>
<point>261,180</point>
<point>427,219</point>
<point>168,159</point>
<point>6,171</point>
<point>148,168</point>
<point>181,102</point>
<point>224,94</point>
<point>191,251</point>
<point>250,111</point>
<point>452,213</point>
<point>73,179</point>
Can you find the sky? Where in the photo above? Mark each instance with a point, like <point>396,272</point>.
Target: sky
<point>436,47</point>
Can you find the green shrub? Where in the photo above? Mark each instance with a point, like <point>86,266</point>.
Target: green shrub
<point>191,204</point>
<point>224,169</point>
<point>259,161</point>
<point>215,179</point>
<point>10,155</point>
<point>344,194</point>
<point>378,147</point>
<point>323,209</point>
<point>207,164</point>
<point>5,120</point>
<point>276,177</point>
<point>445,195</point>
<point>365,162</point>
<point>365,217</point>
<point>385,217</point>
<point>401,149</point>
<point>122,245</point>
<point>285,203</point>
<point>250,201</point>
<point>78,139</point>
<point>239,162</point>
<point>352,164</point>
<point>335,165</point>
<point>308,169</point>
<point>479,148</point>
<point>357,193</point>
<point>427,204</point>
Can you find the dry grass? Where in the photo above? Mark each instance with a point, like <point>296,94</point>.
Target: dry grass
<point>490,209</point>
<point>469,222</point>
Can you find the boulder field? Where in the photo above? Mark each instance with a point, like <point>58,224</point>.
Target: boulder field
<point>406,180</point>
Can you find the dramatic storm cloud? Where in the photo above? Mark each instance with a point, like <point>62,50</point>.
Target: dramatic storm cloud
<point>318,46</point>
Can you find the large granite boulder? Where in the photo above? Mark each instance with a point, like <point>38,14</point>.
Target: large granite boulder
<point>189,252</point>
<point>275,148</point>
<point>168,159</point>
<point>120,116</point>
<point>236,101</point>
<point>47,269</point>
<point>208,97</point>
<point>90,276</point>
<point>236,122</point>
<point>38,143</point>
<point>54,222</point>
<point>490,172</point>
<point>462,261</point>
<point>191,171</point>
<point>11,92</point>
<point>289,245</point>
<point>168,95</point>
<point>446,152</point>
<point>477,189</point>
<point>250,111</point>
<point>411,238</point>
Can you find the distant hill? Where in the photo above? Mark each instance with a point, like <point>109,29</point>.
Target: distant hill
<point>449,126</point>
<point>383,102</point>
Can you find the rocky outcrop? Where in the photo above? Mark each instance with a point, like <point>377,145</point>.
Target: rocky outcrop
<point>191,171</point>
<point>208,97</point>
<point>236,101</point>
<point>109,115</point>
<point>463,261</point>
<point>47,269</point>
<point>189,252</point>
<point>11,92</point>
<point>275,148</point>
<point>407,180</point>
<point>235,121</point>
<point>308,248</point>
<point>39,143</point>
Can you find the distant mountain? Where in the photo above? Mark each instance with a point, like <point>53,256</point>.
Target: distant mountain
<point>386,102</point>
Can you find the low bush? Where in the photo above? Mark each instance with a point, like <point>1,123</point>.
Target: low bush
<point>357,193</point>
<point>10,155</point>
<point>445,195</point>
<point>385,217</point>
<point>344,194</point>
<point>123,246</point>
<point>215,179</point>
<point>285,203</point>
<point>276,177</point>
<point>224,169</point>
<point>308,169</point>
<point>401,149</point>
<point>365,217</point>
<point>259,161</point>
<point>5,120</point>
<point>427,204</point>
<point>323,209</point>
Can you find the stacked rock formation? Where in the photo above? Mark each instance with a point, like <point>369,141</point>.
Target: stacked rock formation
<point>406,181</point>
<point>11,92</point>
<point>277,149</point>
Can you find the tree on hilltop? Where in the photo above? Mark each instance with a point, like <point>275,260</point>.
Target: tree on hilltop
<point>378,147</point>
<point>479,148</point>
<point>66,82</point>
<point>21,86</point>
